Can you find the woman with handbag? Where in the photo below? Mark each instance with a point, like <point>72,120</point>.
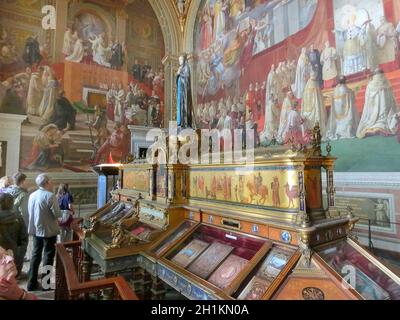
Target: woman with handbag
<point>65,200</point>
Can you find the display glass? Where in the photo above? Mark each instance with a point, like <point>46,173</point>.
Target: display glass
<point>363,274</point>
<point>260,279</point>
<point>116,213</point>
<point>216,255</point>
<point>169,240</point>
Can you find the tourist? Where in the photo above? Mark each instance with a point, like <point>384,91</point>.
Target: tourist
<point>65,200</point>
<point>43,226</point>
<point>13,235</point>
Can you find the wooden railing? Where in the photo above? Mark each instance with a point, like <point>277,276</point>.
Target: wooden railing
<point>70,276</point>
<point>77,232</point>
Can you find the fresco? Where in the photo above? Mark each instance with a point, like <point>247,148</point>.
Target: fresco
<point>137,180</point>
<point>269,188</point>
<point>336,64</point>
<point>81,93</point>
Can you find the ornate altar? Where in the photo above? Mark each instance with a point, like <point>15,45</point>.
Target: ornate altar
<point>238,231</point>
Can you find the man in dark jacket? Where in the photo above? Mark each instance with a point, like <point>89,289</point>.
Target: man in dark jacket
<point>13,233</point>
<point>64,113</point>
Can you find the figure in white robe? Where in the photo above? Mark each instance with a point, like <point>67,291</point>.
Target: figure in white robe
<point>35,94</point>
<point>68,43</point>
<point>387,41</point>
<point>368,42</point>
<point>328,61</point>
<point>380,109</point>
<point>100,51</point>
<point>219,18</point>
<point>271,122</point>
<point>286,107</point>
<point>343,120</point>
<point>302,73</point>
<point>271,87</point>
<point>50,95</point>
<point>353,55</point>
<point>78,52</point>
<point>119,101</point>
<point>313,109</point>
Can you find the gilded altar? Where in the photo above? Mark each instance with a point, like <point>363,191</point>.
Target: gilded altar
<point>250,231</point>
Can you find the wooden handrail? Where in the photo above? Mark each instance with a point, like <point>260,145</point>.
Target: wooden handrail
<point>76,229</point>
<point>76,288</point>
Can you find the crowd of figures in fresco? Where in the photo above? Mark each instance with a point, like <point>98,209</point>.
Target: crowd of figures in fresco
<point>230,33</point>
<point>33,86</point>
<point>97,49</point>
<point>293,98</point>
<point>38,93</point>
<point>134,106</point>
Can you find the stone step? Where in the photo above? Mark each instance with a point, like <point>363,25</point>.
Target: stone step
<point>73,162</point>
<point>74,145</point>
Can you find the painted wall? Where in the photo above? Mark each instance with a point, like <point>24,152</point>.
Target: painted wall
<point>236,43</point>
<point>51,142</point>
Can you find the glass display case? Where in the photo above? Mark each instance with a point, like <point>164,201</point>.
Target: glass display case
<point>216,263</point>
<point>369,277</point>
<point>173,237</point>
<point>271,269</point>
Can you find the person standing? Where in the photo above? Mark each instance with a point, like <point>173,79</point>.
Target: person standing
<point>13,235</point>
<point>65,200</point>
<point>19,192</point>
<point>43,226</point>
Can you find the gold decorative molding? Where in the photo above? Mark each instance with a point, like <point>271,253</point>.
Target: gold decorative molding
<point>181,9</point>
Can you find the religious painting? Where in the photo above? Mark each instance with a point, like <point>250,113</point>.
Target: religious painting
<point>81,91</point>
<point>274,188</point>
<point>136,180</point>
<point>161,181</point>
<point>355,23</point>
<point>377,209</point>
<point>143,28</point>
<point>357,264</point>
<point>229,33</point>
<point>313,187</point>
<point>89,25</point>
<point>256,70</point>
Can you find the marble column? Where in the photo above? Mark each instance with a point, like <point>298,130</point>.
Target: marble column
<point>61,26</point>
<point>171,65</point>
<point>10,131</point>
